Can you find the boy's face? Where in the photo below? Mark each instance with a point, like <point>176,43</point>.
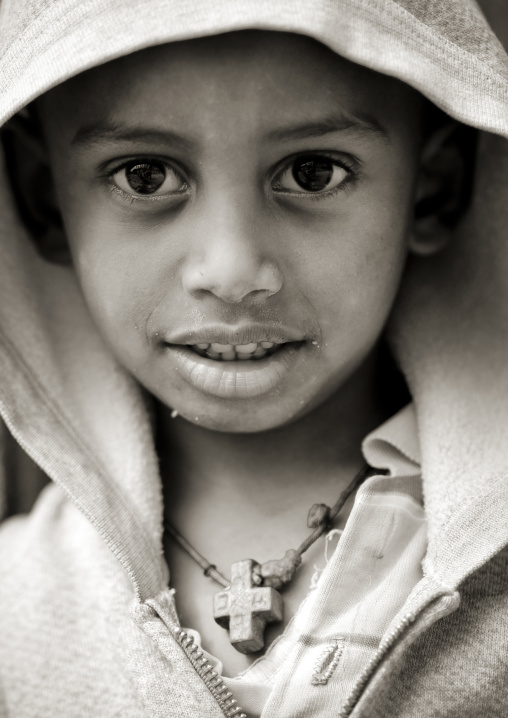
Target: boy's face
<point>247,188</point>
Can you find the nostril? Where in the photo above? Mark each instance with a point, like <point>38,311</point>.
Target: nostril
<point>232,278</point>
<point>264,292</point>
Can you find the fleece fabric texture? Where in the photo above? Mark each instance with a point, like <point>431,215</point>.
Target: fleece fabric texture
<point>86,618</point>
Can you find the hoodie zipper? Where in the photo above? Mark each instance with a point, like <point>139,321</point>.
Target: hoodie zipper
<point>354,696</point>
<point>405,621</point>
<point>228,704</point>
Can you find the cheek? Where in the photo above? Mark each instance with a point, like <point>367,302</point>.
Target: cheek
<point>123,282</point>
<point>355,270</point>
<point>126,268</point>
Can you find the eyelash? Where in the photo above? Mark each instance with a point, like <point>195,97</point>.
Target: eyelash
<point>131,198</point>
<point>352,168</point>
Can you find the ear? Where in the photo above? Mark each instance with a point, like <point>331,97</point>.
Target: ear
<point>444,186</point>
<point>32,184</point>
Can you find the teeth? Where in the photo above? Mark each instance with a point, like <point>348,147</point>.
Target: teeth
<point>231,352</point>
<point>246,348</point>
<point>213,355</point>
<point>260,353</point>
<point>221,348</point>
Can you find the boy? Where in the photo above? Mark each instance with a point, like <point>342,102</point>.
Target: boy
<point>236,211</point>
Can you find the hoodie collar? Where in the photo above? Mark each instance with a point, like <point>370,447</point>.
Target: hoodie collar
<point>395,446</point>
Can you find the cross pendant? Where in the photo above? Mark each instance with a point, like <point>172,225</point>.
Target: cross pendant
<point>246,609</point>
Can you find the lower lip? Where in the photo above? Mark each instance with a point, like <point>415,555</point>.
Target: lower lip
<point>234,379</point>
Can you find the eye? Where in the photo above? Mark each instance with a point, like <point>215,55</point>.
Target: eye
<point>148,177</point>
<point>311,174</point>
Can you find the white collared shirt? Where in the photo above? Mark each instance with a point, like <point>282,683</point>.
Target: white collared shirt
<point>311,668</point>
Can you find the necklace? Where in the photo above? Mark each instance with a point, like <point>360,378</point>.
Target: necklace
<point>250,600</point>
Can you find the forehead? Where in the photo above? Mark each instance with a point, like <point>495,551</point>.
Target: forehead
<point>250,80</point>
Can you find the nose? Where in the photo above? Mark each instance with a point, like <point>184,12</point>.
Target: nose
<point>230,261</point>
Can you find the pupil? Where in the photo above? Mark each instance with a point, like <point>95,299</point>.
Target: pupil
<point>146,178</point>
<point>313,174</point>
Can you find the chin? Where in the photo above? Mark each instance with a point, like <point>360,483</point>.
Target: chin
<point>246,418</point>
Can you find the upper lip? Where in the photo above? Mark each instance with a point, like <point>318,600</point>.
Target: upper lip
<point>238,334</point>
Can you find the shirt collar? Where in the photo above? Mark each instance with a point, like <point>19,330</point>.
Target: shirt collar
<point>395,445</point>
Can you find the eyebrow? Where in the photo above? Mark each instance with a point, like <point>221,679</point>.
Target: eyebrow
<point>91,135</point>
<point>358,124</point>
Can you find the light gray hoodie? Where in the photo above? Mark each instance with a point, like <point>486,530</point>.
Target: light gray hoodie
<point>87,622</point>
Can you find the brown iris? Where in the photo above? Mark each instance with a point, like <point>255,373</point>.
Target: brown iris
<point>146,177</point>
<point>313,174</point>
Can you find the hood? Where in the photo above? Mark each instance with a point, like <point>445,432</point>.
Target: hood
<point>445,50</point>
<point>78,414</point>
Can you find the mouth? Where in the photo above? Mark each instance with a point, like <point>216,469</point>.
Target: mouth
<point>240,363</point>
<point>237,352</point>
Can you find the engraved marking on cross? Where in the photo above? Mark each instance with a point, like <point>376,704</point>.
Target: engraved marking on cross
<point>246,609</point>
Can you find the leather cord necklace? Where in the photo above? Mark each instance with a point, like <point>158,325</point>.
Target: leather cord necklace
<point>250,600</point>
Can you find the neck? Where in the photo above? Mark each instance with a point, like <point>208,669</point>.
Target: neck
<point>270,469</point>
